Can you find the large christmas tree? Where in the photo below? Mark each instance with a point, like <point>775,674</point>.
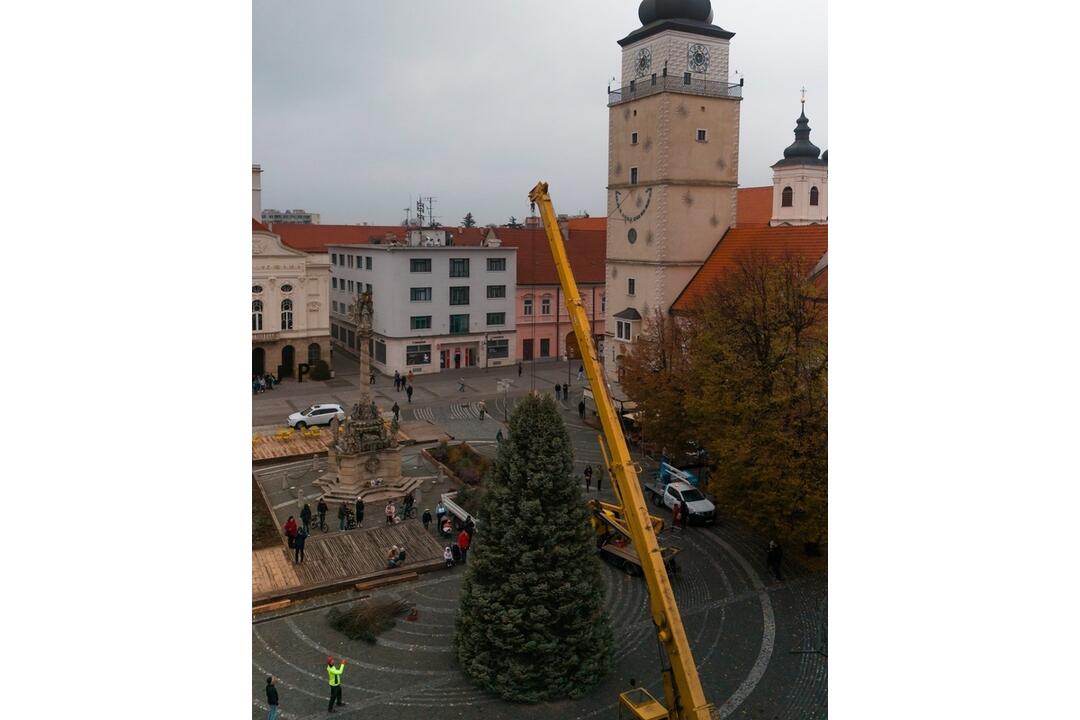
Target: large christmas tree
<point>532,624</point>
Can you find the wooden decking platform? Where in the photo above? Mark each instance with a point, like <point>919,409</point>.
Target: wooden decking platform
<point>338,559</point>
<point>269,448</point>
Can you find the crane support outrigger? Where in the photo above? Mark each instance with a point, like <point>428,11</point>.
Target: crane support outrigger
<point>682,686</point>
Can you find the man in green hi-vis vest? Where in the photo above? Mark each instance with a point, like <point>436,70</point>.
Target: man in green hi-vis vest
<point>334,676</point>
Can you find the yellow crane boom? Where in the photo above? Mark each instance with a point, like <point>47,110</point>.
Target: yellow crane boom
<point>682,686</point>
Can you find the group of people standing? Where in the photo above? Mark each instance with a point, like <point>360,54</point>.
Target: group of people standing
<point>333,676</point>
<point>262,383</point>
<point>403,382</point>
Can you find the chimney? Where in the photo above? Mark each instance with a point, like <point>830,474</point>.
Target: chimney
<point>256,192</point>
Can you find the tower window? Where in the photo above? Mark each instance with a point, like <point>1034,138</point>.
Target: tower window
<point>633,176</point>
<point>686,78</point>
<point>630,286</point>
<point>633,138</point>
<point>813,196</point>
<point>702,135</point>
<point>654,78</point>
<point>785,197</point>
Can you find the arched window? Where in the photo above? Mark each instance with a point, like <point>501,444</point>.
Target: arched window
<point>813,195</point>
<point>785,197</point>
<point>286,314</point>
<point>528,305</point>
<point>313,354</point>
<point>256,315</point>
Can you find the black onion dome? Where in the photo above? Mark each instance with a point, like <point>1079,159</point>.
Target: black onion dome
<point>653,10</point>
<point>825,157</point>
<point>802,147</point>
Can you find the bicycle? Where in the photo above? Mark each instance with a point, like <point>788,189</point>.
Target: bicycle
<point>320,523</point>
<point>408,512</point>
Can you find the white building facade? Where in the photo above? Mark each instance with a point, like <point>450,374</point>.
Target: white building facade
<point>436,307</point>
<point>290,290</point>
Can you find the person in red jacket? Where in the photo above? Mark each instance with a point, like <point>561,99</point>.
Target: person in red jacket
<point>290,530</point>
<point>463,544</point>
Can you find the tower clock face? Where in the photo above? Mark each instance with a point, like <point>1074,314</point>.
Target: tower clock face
<point>644,61</point>
<point>697,58</point>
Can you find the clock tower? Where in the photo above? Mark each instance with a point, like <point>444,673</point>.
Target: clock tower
<point>673,162</point>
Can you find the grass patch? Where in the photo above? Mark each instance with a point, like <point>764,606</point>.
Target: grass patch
<point>465,462</point>
<point>367,619</point>
<point>263,528</point>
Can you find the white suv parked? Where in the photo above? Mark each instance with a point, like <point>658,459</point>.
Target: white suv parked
<point>316,415</point>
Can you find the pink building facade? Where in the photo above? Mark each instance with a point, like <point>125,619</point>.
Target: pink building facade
<point>544,331</point>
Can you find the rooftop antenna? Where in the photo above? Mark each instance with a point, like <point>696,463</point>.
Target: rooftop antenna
<point>431,210</point>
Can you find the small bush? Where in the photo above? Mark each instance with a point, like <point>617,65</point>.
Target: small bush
<point>366,620</point>
<point>321,371</point>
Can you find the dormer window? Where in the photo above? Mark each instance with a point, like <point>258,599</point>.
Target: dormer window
<point>785,197</point>
<point>813,196</point>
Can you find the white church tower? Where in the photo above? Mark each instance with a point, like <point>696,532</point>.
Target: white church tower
<point>801,181</point>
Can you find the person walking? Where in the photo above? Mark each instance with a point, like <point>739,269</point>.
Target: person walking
<point>410,377</point>
<point>440,511</point>
<point>581,373</point>
<point>298,546</point>
<point>448,556</point>
<point>341,513</point>
<point>499,437</point>
<point>482,408</point>
<point>773,558</point>
<point>519,368</point>
<point>271,698</point>
<point>588,478</point>
<point>333,674</point>
<point>599,477</point>
<point>470,526</point>
<point>463,541</point>
<point>305,517</point>
<point>684,513</point>
<point>408,390</point>
<point>290,530</point>
<point>359,511</point>
<point>397,380</point>
<point>322,508</point>
<point>390,512</point>
<point>566,392</point>
<point>426,518</point>
<point>371,381</point>
<point>397,412</point>
<point>558,391</point>
<point>461,384</point>
<point>676,511</point>
<point>581,408</point>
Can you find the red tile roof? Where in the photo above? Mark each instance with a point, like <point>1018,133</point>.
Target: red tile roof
<point>808,242</point>
<point>754,206</point>
<point>589,223</point>
<point>587,250</point>
<point>256,225</point>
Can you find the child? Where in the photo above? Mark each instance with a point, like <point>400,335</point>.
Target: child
<point>448,556</point>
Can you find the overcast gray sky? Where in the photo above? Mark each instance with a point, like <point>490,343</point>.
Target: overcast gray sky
<point>359,106</point>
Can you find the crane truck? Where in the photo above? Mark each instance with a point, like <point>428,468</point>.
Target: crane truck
<point>684,698</point>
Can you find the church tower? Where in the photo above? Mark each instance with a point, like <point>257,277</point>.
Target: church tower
<point>673,162</point>
<point>801,180</point>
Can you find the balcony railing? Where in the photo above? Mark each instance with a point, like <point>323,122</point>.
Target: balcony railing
<point>646,86</point>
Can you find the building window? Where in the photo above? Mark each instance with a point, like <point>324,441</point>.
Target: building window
<point>633,138</point>
<point>528,307</point>
<point>622,329</point>
<point>498,349</point>
<point>545,347</point>
<point>333,258</point>
<point>496,291</point>
<point>702,135</point>
<point>420,265</point>
<point>352,339</point>
<point>813,196</point>
<point>256,289</point>
<point>459,324</point>
<point>367,266</point>
<point>333,331</point>
<point>369,288</point>
<point>686,78</point>
<point>286,288</point>
<point>420,294</point>
<point>286,314</point>
<point>631,285</point>
<point>459,267</point>
<point>633,176</point>
<point>545,305</point>
<point>496,264</point>
<point>380,352</point>
<point>631,236</point>
<point>352,287</point>
<point>256,315</point>
<point>603,304</point>
<point>333,282</point>
<point>420,322</point>
<point>333,304</point>
<point>417,354</point>
<point>496,318</point>
<point>313,354</point>
<point>785,197</point>
<point>350,260</point>
<point>459,295</point>
<point>653,79</point>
